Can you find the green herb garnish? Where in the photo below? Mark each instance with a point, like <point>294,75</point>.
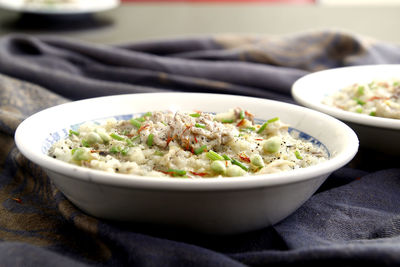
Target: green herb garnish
<point>129,142</point>
<point>248,129</point>
<point>360,90</point>
<point>85,143</point>
<point>72,132</point>
<point>297,154</point>
<point>117,137</point>
<point>150,139</point>
<point>175,172</point>
<point>198,125</point>
<point>200,150</point>
<point>241,115</point>
<point>214,156</point>
<point>114,150</point>
<point>262,128</point>
<point>136,123</point>
<point>235,162</point>
<point>141,119</point>
<point>124,151</point>
<point>158,153</point>
<point>147,114</point>
<point>241,165</point>
<point>359,101</point>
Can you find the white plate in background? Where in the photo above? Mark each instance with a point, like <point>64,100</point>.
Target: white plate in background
<point>54,7</point>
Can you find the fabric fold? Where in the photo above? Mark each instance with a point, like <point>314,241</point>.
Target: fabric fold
<point>352,220</point>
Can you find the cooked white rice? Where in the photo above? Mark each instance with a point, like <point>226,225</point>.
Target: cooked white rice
<point>377,98</point>
<point>196,145</point>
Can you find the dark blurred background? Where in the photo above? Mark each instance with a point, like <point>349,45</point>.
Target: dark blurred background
<point>134,20</point>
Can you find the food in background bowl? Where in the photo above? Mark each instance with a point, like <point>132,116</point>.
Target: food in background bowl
<point>379,98</point>
<point>374,132</point>
<point>191,145</point>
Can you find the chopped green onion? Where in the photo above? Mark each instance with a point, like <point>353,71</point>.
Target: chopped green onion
<point>124,151</point>
<point>262,128</point>
<point>226,120</point>
<point>396,83</point>
<point>200,150</point>
<point>93,138</point>
<point>198,125</point>
<point>85,143</point>
<point>241,115</point>
<point>141,119</point>
<point>372,113</point>
<point>297,154</point>
<point>218,167</point>
<point>372,85</point>
<point>359,101</point>
<point>135,123</point>
<point>105,137</point>
<point>248,129</point>
<point>273,120</point>
<point>135,138</point>
<point>257,161</point>
<point>360,90</point>
<point>241,165</point>
<point>129,142</point>
<point>114,150</point>
<point>235,162</point>
<point>159,153</point>
<point>226,157</point>
<point>117,137</point>
<point>175,172</point>
<point>194,115</point>
<point>214,155</point>
<point>150,139</point>
<point>233,171</point>
<point>73,150</point>
<point>272,144</point>
<point>147,114</point>
<point>359,110</point>
<point>80,154</point>
<point>72,132</point>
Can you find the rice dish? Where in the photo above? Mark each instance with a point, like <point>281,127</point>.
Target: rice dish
<point>188,145</point>
<point>376,98</point>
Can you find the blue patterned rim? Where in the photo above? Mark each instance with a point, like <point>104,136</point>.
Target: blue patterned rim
<point>63,133</point>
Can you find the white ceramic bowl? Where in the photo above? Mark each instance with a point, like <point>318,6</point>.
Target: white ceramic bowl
<point>379,134</point>
<point>216,206</point>
<point>66,8</point>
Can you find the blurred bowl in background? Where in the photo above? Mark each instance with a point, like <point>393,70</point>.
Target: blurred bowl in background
<point>58,7</point>
<point>376,133</point>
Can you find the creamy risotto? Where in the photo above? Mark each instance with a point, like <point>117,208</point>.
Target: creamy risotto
<point>377,98</point>
<point>188,144</point>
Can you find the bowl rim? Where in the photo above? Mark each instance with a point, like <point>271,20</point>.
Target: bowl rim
<point>161,183</point>
<point>300,85</point>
